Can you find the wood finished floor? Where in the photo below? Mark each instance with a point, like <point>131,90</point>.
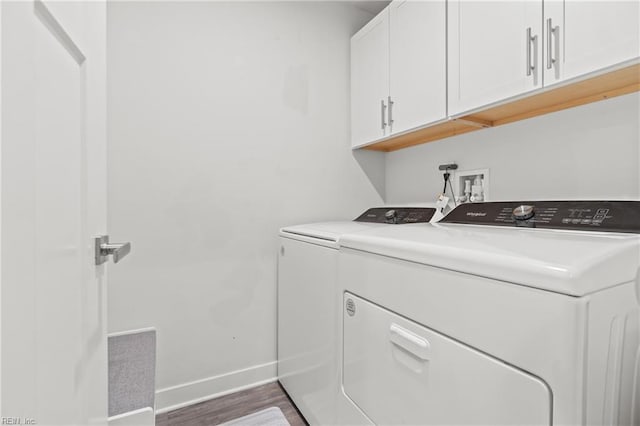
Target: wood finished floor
<point>232,406</point>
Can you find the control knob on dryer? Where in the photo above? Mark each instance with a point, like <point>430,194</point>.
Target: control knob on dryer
<point>391,216</point>
<point>523,212</point>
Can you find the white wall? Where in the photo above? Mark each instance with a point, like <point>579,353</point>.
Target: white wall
<point>588,152</point>
<point>226,122</point>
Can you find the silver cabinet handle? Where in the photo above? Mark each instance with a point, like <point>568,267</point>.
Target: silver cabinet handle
<point>104,249</point>
<point>530,40</point>
<point>551,32</point>
<point>390,111</point>
<point>383,109</point>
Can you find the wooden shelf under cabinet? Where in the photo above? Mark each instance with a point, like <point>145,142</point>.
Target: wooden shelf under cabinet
<point>604,86</point>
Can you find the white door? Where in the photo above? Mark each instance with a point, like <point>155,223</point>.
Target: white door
<point>585,36</point>
<point>53,339</point>
<point>418,78</point>
<point>495,51</point>
<point>370,81</point>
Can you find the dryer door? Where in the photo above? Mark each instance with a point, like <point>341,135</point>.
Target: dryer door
<point>399,372</point>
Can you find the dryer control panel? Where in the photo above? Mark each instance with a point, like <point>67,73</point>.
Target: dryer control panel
<point>397,215</point>
<point>602,216</point>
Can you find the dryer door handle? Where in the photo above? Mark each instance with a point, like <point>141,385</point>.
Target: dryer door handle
<point>410,342</point>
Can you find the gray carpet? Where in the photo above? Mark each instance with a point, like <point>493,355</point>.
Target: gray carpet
<point>132,372</point>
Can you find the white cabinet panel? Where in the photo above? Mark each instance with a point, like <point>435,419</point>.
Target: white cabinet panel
<point>417,63</point>
<point>490,56</point>
<point>370,81</point>
<point>588,36</point>
<point>399,372</point>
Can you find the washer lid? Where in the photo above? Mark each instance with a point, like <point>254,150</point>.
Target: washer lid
<point>327,231</point>
<point>573,263</point>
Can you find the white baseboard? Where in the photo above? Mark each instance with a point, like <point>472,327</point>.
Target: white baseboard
<point>174,397</point>
<point>141,417</point>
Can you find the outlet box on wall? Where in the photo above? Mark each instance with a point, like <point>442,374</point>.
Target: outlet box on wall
<point>471,185</point>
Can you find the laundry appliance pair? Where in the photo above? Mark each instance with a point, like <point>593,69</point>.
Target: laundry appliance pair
<point>501,313</point>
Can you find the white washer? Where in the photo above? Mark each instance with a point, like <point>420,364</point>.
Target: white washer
<point>309,309</point>
<point>482,320</point>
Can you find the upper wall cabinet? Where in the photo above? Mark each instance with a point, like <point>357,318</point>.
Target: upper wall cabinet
<point>370,81</point>
<point>585,36</point>
<point>499,50</point>
<point>507,61</point>
<point>495,51</point>
<point>398,71</point>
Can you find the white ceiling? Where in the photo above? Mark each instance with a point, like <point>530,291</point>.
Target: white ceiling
<point>371,6</point>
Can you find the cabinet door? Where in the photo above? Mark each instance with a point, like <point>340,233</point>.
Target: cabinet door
<point>491,57</point>
<point>370,81</point>
<point>588,36</point>
<point>417,63</point>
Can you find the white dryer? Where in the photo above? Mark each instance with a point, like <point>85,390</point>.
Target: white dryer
<point>503,313</point>
<point>309,308</point>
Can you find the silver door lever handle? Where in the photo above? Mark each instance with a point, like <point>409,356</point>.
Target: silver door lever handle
<point>118,251</point>
<point>104,249</point>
